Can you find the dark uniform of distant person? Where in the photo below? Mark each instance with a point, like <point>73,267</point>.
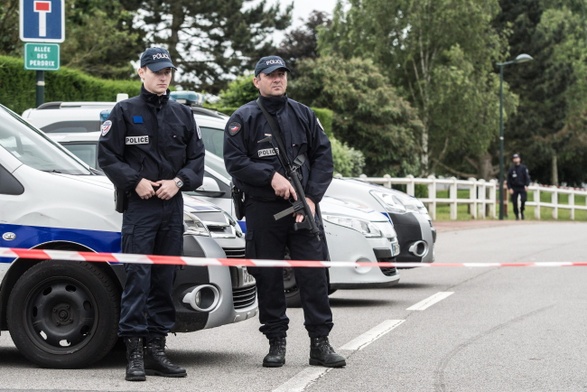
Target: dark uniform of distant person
<point>256,170</point>
<point>151,149</point>
<point>518,181</point>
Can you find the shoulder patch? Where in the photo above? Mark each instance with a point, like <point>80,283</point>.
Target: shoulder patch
<point>106,127</point>
<point>234,128</point>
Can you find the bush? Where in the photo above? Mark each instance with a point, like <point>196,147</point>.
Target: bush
<point>18,86</point>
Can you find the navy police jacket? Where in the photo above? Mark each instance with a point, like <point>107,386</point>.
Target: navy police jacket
<point>253,164</point>
<point>518,177</point>
<point>149,136</point>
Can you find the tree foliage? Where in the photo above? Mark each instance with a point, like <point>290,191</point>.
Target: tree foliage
<point>238,92</point>
<point>550,126</point>
<point>212,41</point>
<point>369,115</point>
<point>100,39</point>
<point>440,54</point>
<point>302,43</point>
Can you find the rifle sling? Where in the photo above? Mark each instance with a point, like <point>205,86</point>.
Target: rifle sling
<point>278,136</point>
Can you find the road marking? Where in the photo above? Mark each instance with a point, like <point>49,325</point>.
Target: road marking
<point>300,381</point>
<point>372,335</point>
<point>433,299</point>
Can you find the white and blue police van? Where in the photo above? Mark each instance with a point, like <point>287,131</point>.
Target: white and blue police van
<point>64,314</point>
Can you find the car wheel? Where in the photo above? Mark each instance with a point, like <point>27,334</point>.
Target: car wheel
<point>64,314</point>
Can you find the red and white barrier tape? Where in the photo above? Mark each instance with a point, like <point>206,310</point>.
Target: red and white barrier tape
<point>49,254</point>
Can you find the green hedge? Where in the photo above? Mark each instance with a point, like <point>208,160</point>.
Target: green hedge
<point>18,86</point>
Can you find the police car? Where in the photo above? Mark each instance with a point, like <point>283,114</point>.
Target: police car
<point>353,234</point>
<point>64,313</point>
<point>416,232</point>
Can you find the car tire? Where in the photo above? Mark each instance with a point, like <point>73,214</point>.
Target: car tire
<point>64,314</point>
<point>292,291</point>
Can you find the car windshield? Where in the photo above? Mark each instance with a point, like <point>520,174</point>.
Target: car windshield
<point>33,148</point>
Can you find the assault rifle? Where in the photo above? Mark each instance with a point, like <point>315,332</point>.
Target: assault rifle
<point>301,204</point>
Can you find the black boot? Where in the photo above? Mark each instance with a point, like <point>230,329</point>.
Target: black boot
<point>157,363</point>
<point>322,354</point>
<point>135,369</point>
<point>276,356</point>
<point>522,213</point>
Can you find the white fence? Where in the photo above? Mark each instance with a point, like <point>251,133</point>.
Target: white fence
<point>482,200</point>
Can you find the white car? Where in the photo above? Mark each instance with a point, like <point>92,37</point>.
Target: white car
<point>65,313</point>
<point>353,234</point>
<point>410,217</point>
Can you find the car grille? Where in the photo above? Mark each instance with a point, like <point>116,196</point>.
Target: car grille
<point>235,253</point>
<point>244,297</point>
<point>388,271</point>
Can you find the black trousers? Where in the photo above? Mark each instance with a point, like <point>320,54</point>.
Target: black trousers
<point>268,239</point>
<point>523,195</point>
<point>151,226</point>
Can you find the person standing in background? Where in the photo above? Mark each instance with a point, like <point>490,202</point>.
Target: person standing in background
<point>517,182</point>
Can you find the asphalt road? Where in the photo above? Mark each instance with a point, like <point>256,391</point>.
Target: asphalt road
<point>489,329</point>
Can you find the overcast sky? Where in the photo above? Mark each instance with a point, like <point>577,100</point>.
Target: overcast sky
<point>303,8</point>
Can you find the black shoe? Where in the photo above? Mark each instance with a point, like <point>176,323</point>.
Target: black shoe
<point>322,354</point>
<point>517,217</point>
<point>276,356</point>
<point>135,368</point>
<point>522,216</point>
<point>157,363</point>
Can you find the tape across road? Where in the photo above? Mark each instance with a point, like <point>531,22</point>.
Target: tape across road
<point>49,254</point>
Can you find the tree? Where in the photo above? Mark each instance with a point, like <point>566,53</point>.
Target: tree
<point>238,92</point>
<point>438,53</point>
<point>100,39</point>
<point>212,41</point>
<point>302,43</point>
<point>549,128</point>
<point>369,115</point>
<point>9,41</point>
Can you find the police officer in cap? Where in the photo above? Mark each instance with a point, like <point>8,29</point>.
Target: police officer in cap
<point>151,149</point>
<point>254,165</point>
<point>518,181</point>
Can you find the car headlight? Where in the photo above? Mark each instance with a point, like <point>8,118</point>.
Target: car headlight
<point>389,202</point>
<point>193,225</point>
<point>364,227</point>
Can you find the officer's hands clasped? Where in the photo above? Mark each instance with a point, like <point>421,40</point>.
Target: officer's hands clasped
<point>163,189</point>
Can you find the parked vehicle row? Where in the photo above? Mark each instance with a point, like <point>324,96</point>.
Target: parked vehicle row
<point>64,314</point>
<point>353,232</point>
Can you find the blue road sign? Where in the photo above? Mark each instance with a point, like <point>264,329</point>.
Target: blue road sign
<point>42,20</point>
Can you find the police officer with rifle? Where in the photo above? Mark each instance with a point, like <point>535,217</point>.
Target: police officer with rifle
<point>279,156</point>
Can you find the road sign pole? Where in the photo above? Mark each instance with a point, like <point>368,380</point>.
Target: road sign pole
<point>40,88</point>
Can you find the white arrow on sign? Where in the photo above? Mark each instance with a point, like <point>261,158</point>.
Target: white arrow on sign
<point>42,8</point>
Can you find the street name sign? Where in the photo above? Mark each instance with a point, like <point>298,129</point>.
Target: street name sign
<point>41,56</point>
